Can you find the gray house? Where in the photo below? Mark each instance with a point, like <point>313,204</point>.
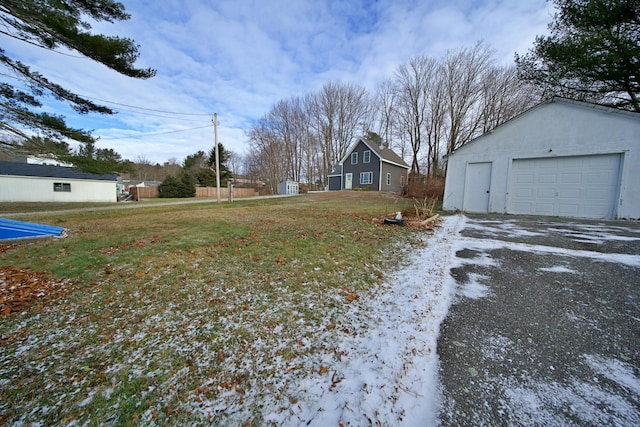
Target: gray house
<point>560,158</point>
<point>371,166</point>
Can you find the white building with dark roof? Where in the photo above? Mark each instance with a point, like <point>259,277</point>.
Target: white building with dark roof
<point>22,182</point>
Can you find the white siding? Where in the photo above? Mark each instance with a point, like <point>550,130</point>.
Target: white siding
<point>37,189</point>
<point>578,186</point>
<point>557,129</point>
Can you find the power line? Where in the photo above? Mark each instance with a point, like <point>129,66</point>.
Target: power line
<point>177,113</point>
<point>132,106</point>
<point>40,46</point>
<point>146,109</point>
<point>155,134</point>
<point>164,117</point>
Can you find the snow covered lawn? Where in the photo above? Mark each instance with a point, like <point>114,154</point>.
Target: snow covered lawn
<point>315,355</point>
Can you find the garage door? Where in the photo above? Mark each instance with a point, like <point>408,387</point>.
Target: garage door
<point>577,186</point>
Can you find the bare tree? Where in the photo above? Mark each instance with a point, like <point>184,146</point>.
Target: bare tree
<point>235,162</point>
<point>309,145</point>
<point>268,154</point>
<point>385,104</point>
<point>143,169</point>
<point>339,113</point>
<point>436,113</point>
<point>412,87</point>
<point>504,95</point>
<point>170,167</point>
<point>463,71</point>
<point>281,121</point>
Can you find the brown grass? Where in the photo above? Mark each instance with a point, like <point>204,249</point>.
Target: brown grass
<point>169,305</point>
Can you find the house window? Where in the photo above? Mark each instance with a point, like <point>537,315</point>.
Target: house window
<point>62,186</point>
<point>388,179</point>
<point>402,181</point>
<point>354,158</point>
<point>366,177</point>
<point>366,156</point>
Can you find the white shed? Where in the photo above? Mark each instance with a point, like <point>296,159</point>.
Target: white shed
<point>288,187</point>
<point>560,158</point>
<point>22,182</point>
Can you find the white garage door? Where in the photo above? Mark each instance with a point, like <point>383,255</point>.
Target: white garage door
<point>577,186</point>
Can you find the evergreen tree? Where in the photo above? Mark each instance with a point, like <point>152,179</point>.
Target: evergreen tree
<point>170,187</point>
<point>187,185</point>
<point>593,53</point>
<point>225,173</point>
<point>50,25</point>
<point>180,187</point>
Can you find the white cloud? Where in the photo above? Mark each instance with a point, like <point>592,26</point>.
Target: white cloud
<point>238,58</point>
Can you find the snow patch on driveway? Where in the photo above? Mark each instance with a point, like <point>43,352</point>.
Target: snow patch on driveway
<point>558,269</point>
<point>488,245</point>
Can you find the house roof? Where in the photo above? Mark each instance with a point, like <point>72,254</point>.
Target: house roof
<point>558,100</point>
<point>385,154</point>
<point>47,171</point>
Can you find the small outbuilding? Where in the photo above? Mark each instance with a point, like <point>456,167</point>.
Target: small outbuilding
<point>23,182</point>
<point>560,158</point>
<point>288,187</point>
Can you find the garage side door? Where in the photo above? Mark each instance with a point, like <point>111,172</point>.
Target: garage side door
<point>576,186</point>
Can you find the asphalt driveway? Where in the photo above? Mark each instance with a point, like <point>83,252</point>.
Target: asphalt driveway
<point>545,324</point>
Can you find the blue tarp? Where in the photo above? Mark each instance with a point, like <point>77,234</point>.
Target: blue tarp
<point>11,229</point>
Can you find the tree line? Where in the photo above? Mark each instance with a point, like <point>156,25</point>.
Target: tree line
<point>430,106</point>
<point>425,110</point>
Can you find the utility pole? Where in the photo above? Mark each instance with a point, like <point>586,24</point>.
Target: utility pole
<point>215,134</point>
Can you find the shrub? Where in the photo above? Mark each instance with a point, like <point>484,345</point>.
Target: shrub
<point>173,187</point>
<point>425,187</point>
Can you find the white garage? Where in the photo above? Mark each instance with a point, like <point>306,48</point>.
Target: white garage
<point>23,182</point>
<point>560,158</point>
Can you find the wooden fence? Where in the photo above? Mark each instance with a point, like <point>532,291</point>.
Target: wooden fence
<point>224,192</point>
<point>140,193</point>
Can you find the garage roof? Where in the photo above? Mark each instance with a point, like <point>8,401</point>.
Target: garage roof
<point>48,171</point>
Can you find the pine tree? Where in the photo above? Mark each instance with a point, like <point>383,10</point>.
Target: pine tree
<point>593,53</point>
<point>51,25</point>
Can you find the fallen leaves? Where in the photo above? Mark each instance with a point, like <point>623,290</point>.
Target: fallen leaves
<point>7,247</point>
<point>19,287</point>
<point>352,296</point>
<point>140,244</point>
<point>294,368</point>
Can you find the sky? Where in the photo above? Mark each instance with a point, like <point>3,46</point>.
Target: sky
<point>238,58</point>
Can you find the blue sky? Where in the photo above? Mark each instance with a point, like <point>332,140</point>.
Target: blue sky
<point>237,58</point>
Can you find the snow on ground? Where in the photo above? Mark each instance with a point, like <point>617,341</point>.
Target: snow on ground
<point>605,395</point>
<point>386,369</point>
<point>379,365</point>
<point>629,260</point>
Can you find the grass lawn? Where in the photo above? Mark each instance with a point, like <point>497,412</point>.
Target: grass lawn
<point>150,314</point>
